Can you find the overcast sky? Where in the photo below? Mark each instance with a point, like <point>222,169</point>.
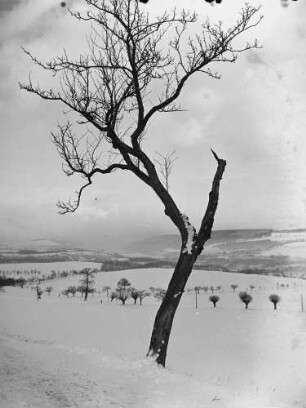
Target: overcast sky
<point>253,118</point>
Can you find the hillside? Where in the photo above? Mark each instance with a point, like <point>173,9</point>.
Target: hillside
<point>281,253</point>
<point>63,352</point>
<point>250,251</point>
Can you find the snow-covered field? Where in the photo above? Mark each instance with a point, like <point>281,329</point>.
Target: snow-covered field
<point>60,352</point>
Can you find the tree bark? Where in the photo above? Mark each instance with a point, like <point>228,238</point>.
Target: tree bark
<point>192,246</point>
<point>165,315</point>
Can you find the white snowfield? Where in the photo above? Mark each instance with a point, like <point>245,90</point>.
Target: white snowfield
<point>59,352</point>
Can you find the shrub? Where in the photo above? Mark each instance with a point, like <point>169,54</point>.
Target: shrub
<point>113,296</point>
<point>134,294</point>
<point>159,293</point>
<point>49,289</point>
<point>106,289</point>
<point>234,287</point>
<point>214,299</point>
<point>71,290</point>
<point>142,294</point>
<point>123,283</point>
<point>275,299</point>
<point>246,298</point>
<point>123,293</point>
<point>123,290</point>
<point>39,292</point>
<point>87,282</point>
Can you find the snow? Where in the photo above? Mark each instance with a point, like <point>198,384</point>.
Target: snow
<point>191,234</point>
<point>47,267</point>
<point>60,352</point>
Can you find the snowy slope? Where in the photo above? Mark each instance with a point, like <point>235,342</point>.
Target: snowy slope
<point>61,352</point>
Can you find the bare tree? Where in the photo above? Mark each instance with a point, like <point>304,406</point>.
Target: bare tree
<point>49,289</point>
<point>234,287</point>
<point>123,290</point>
<point>136,68</point>
<point>87,282</point>
<point>214,299</point>
<point>39,292</point>
<point>245,298</point>
<point>113,296</point>
<point>165,164</point>
<point>159,294</point>
<point>142,294</point>
<point>275,299</point>
<point>134,294</point>
<point>106,289</point>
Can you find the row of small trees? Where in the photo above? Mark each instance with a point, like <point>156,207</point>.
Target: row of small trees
<point>246,298</point>
<point>85,286</point>
<point>233,287</point>
<point>124,291</point>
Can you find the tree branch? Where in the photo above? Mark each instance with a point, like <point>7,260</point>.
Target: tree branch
<point>208,220</point>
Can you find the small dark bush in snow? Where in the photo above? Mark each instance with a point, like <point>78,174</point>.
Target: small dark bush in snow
<point>274,299</point>
<point>246,298</point>
<point>234,287</point>
<point>214,299</point>
<point>39,292</point>
<point>113,296</point>
<point>49,289</point>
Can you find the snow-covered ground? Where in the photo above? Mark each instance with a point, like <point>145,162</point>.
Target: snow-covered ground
<point>60,352</point>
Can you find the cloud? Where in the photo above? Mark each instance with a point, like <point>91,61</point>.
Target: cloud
<point>191,133</point>
<point>97,211</point>
<point>8,5</point>
<point>30,19</point>
<point>246,117</point>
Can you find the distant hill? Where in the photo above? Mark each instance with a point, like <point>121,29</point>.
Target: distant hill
<point>166,244</point>
<point>264,251</point>
<point>245,250</point>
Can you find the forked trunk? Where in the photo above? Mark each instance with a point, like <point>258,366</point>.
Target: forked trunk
<point>165,315</point>
<point>192,246</point>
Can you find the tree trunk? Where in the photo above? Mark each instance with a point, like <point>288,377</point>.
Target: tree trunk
<point>165,315</point>
<point>192,246</point>
<point>275,306</point>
